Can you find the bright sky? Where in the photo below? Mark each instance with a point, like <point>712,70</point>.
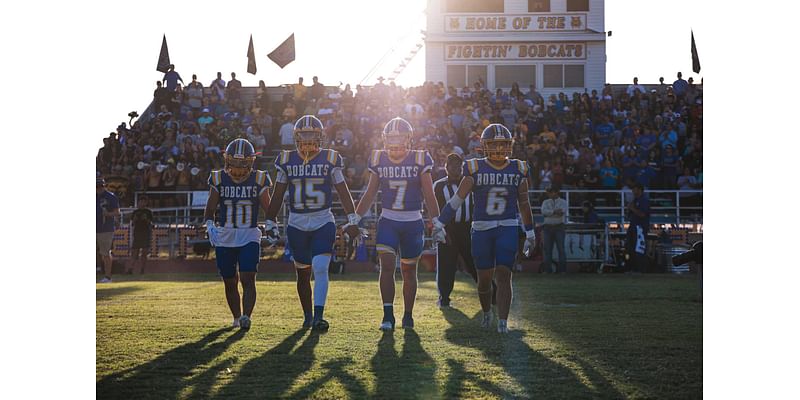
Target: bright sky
<point>335,40</point>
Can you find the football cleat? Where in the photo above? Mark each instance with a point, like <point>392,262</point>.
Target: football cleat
<point>397,136</point>
<point>387,325</point>
<point>105,280</point>
<point>502,326</point>
<point>244,322</point>
<point>486,321</point>
<point>307,322</point>
<point>239,158</point>
<point>408,323</point>
<point>497,143</point>
<point>320,326</point>
<point>443,303</point>
<point>308,136</point>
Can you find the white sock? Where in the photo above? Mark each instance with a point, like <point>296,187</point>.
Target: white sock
<point>320,265</point>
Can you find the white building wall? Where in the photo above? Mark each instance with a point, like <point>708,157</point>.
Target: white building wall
<point>593,38</point>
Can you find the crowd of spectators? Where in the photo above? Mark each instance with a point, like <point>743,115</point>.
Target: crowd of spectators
<point>593,140</point>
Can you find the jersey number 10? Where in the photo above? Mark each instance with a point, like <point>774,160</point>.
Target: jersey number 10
<point>243,215</point>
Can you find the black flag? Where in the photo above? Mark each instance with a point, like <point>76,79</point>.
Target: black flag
<point>695,59</point>
<point>163,58</point>
<point>283,54</point>
<point>251,58</point>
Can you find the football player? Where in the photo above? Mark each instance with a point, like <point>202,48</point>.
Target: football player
<point>237,192</point>
<point>310,173</point>
<point>404,178</point>
<point>500,188</point>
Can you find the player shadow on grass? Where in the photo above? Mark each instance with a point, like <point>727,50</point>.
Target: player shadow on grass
<point>410,374</point>
<point>335,370</point>
<point>164,376</point>
<point>108,293</point>
<point>272,374</point>
<point>535,373</point>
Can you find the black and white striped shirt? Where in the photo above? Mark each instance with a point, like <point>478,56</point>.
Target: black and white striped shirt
<point>444,191</point>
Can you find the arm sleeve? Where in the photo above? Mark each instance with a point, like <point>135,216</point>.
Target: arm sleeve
<point>213,180</point>
<point>374,159</point>
<point>263,181</point>
<point>427,163</point>
<point>338,165</point>
<point>280,161</point>
<point>280,177</point>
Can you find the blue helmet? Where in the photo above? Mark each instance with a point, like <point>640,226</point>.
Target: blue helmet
<point>239,158</point>
<point>397,136</point>
<point>497,142</point>
<point>308,135</point>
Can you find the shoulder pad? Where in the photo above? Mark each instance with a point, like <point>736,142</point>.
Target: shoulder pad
<point>472,165</point>
<point>216,177</point>
<point>261,177</point>
<point>332,156</point>
<point>375,158</point>
<point>523,167</point>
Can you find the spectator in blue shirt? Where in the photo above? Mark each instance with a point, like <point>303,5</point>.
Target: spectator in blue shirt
<point>630,164</point>
<point>609,175</point>
<point>603,133</point>
<point>171,78</point>
<point>679,86</point>
<point>646,141</point>
<point>669,167</point>
<point>668,137</point>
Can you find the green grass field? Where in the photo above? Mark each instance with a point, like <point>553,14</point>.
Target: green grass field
<point>574,336</point>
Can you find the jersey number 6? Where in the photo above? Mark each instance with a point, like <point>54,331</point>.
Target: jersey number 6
<point>496,202</point>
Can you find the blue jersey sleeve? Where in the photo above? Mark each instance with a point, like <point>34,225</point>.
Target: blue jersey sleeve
<point>427,162</point>
<point>215,179</point>
<point>470,167</point>
<point>335,159</point>
<point>263,181</point>
<point>374,160</point>
<point>522,166</point>
<point>281,161</point>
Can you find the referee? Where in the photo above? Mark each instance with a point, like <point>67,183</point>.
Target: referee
<point>458,233</point>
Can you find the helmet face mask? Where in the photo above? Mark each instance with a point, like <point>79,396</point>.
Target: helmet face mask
<point>239,168</point>
<point>308,136</point>
<point>397,136</point>
<point>498,150</point>
<point>239,159</point>
<point>497,143</point>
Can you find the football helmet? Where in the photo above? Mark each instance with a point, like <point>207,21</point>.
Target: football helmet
<point>497,143</point>
<point>308,136</point>
<point>239,159</point>
<point>397,137</point>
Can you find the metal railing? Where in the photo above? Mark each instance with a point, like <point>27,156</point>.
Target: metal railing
<point>665,205</point>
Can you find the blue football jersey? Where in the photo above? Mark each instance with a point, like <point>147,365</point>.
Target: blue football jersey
<point>310,182</point>
<point>400,182</point>
<point>496,189</point>
<point>238,202</point>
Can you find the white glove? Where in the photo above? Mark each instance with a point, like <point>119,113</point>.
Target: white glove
<point>352,220</point>
<point>213,232</point>
<point>273,233</point>
<point>438,234</point>
<point>530,243</point>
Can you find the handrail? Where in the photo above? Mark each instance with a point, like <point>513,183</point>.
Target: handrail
<point>665,205</point>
